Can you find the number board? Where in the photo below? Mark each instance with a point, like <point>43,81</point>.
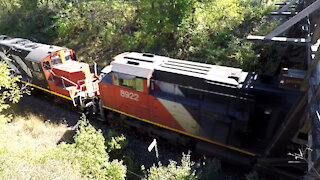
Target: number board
<point>129,95</point>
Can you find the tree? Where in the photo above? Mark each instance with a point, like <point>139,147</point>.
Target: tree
<point>159,22</point>
<point>173,170</point>
<point>9,90</point>
<point>89,152</point>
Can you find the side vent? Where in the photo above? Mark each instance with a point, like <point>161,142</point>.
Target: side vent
<point>234,77</point>
<point>133,63</point>
<point>36,46</point>
<point>33,46</point>
<point>136,59</point>
<point>147,55</point>
<point>23,42</point>
<point>3,37</point>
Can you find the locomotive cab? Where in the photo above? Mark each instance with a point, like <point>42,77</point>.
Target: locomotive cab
<point>126,86</point>
<point>50,68</point>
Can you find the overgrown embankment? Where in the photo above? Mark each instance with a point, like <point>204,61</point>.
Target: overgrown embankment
<point>207,31</point>
<point>29,150</point>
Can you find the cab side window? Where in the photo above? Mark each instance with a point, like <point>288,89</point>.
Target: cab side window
<point>35,66</point>
<point>128,81</point>
<point>67,55</point>
<point>46,65</point>
<point>56,59</point>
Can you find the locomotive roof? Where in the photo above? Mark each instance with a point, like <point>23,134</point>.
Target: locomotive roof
<point>143,65</point>
<point>214,73</point>
<point>136,64</point>
<point>37,51</point>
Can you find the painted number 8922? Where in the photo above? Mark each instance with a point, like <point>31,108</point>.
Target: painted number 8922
<point>129,95</point>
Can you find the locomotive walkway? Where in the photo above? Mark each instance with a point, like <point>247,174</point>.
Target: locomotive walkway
<point>304,16</point>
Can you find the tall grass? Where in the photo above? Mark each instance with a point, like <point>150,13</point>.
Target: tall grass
<point>22,144</point>
<point>29,150</point>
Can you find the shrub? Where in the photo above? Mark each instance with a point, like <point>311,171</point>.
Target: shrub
<point>23,156</point>
<point>9,90</point>
<point>212,170</point>
<point>90,154</point>
<point>173,170</point>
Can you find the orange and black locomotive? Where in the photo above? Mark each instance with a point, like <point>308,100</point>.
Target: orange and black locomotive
<point>234,113</point>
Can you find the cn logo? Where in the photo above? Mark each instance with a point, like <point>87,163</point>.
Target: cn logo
<point>129,95</point>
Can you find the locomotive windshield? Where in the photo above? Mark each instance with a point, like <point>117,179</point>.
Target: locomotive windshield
<point>67,55</point>
<point>56,60</point>
<point>128,81</point>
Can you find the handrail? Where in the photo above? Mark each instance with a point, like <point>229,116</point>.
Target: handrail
<point>69,80</point>
<point>95,69</point>
<point>79,88</point>
<point>80,81</point>
<point>66,79</point>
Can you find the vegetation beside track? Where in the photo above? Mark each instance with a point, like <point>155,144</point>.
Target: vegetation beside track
<point>208,31</point>
<point>33,149</point>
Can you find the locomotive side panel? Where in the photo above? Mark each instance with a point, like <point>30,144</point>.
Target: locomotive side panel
<point>198,100</point>
<point>127,94</point>
<point>203,114</point>
<point>183,111</point>
<point>161,114</point>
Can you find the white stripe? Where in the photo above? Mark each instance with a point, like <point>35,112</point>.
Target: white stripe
<point>180,114</point>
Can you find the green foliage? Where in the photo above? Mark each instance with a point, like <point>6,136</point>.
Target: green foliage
<point>173,170</point>
<point>94,26</point>
<point>9,90</point>
<point>215,16</point>
<point>159,21</point>
<point>116,147</point>
<point>26,165</point>
<point>23,155</point>
<point>88,139</point>
<point>90,154</point>
<point>216,33</point>
<point>85,159</point>
<point>252,176</point>
<point>115,142</point>
<point>27,18</point>
<point>212,170</point>
<point>207,31</point>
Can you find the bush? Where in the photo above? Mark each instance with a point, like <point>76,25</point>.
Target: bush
<point>207,31</point>
<point>85,159</point>
<point>23,151</point>
<point>89,152</point>
<point>9,90</point>
<point>212,170</point>
<point>252,176</point>
<point>173,170</point>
